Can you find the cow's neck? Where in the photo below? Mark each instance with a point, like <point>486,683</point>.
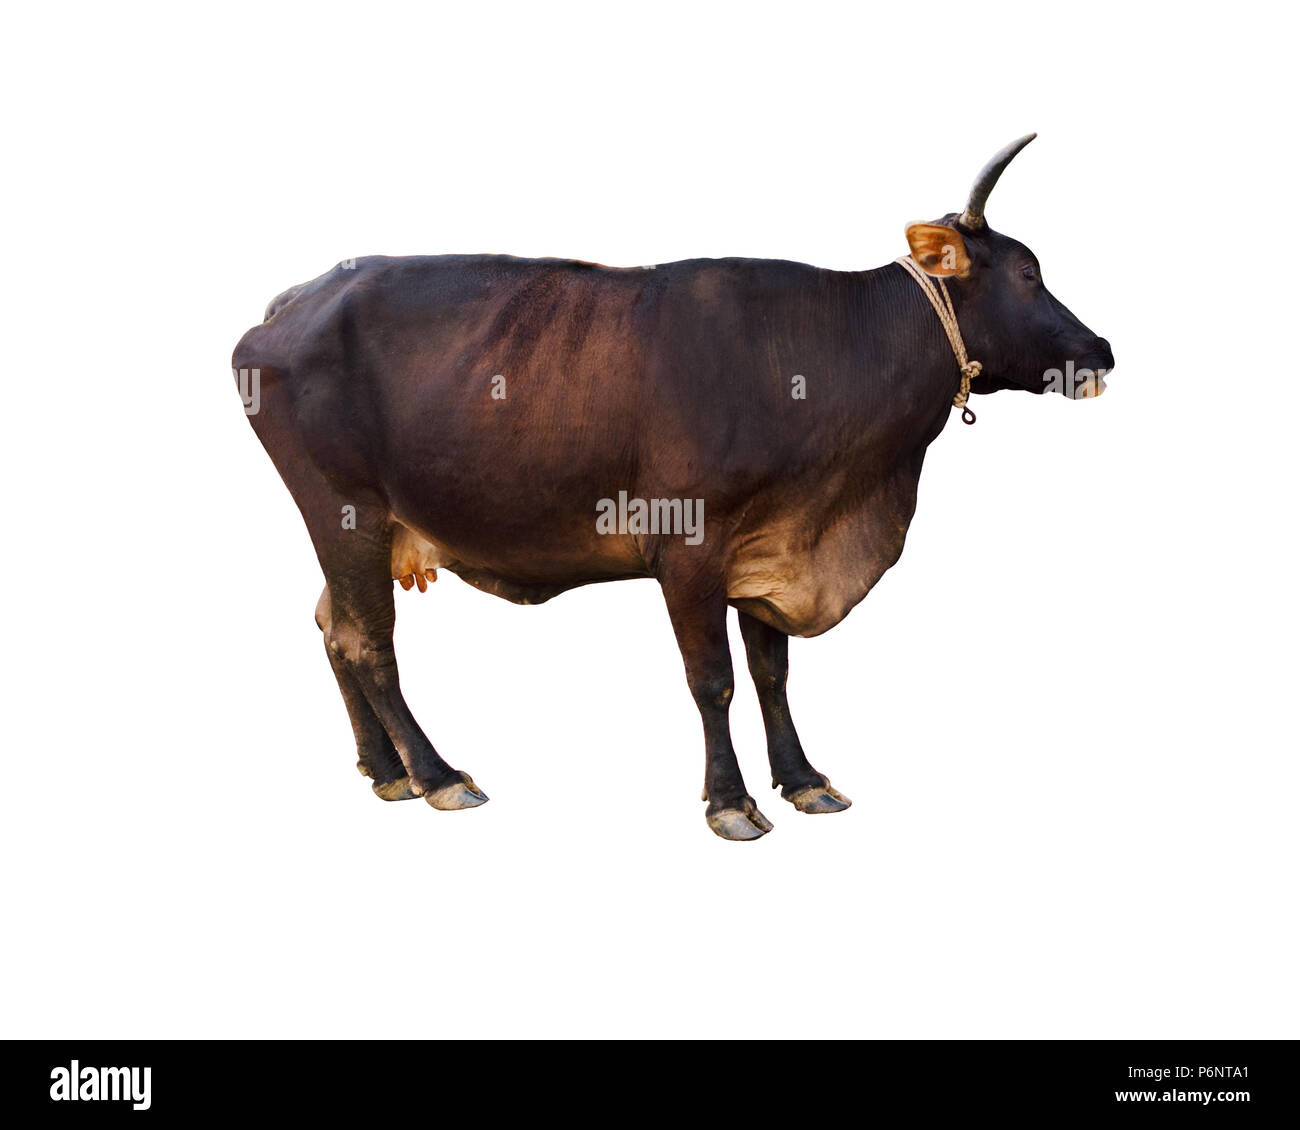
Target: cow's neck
<point>900,377</point>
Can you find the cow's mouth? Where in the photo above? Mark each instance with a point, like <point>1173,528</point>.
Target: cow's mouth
<point>1090,386</point>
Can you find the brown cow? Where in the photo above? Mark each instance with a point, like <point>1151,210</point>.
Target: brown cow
<point>747,432</point>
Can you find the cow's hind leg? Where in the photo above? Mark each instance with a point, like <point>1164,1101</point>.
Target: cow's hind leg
<point>351,529</point>
<point>769,664</point>
<point>377,757</point>
<point>700,622</point>
<point>359,639</point>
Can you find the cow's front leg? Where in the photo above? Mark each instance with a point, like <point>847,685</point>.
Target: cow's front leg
<point>700,623</point>
<point>768,651</point>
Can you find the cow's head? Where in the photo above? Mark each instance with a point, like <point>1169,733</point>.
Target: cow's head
<point>1023,336</point>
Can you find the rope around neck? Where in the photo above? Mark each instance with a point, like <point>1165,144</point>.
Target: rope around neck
<point>948,316</point>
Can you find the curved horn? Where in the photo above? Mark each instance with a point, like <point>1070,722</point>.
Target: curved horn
<point>973,215</point>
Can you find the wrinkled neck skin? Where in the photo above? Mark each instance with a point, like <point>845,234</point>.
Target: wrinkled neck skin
<point>908,372</point>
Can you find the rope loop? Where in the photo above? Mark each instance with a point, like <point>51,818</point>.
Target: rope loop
<point>948,318</point>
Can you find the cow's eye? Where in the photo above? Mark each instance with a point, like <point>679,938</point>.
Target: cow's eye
<point>1028,272</point>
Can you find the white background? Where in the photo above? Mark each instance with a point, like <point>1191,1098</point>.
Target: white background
<point>1067,718</point>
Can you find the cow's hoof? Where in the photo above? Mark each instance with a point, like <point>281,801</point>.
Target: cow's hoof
<point>818,799</point>
<point>459,794</point>
<point>395,790</point>
<point>744,823</point>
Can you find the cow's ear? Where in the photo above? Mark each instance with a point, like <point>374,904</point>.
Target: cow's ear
<point>939,250</point>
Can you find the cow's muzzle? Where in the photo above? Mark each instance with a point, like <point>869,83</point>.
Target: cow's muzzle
<point>1094,368</point>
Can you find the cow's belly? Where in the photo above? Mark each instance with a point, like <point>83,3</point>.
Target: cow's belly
<point>415,559</point>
